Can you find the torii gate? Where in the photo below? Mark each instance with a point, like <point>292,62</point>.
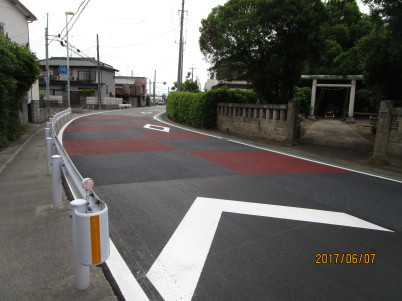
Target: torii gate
<point>352,87</point>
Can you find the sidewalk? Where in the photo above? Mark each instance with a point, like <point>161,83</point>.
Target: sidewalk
<point>36,256</point>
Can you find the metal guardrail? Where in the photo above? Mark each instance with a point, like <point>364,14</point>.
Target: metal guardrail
<point>90,226</point>
<point>73,177</point>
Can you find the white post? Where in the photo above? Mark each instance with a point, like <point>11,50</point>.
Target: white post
<point>47,132</point>
<point>81,272</point>
<point>352,101</point>
<point>49,153</point>
<point>312,103</point>
<point>56,182</point>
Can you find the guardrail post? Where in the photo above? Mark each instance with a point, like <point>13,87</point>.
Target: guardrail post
<point>47,132</point>
<point>56,182</point>
<point>49,153</point>
<point>81,272</point>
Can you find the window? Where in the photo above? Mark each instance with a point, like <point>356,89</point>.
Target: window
<point>83,75</point>
<point>1,28</point>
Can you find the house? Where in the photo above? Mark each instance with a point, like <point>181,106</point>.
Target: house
<point>213,84</point>
<point>132,89</point>
<point>14,20</point>
<point>83,76</point>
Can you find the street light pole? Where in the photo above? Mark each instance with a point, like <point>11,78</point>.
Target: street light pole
<point>68,13</point>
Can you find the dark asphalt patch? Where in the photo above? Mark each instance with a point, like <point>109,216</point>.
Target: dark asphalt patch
<point>144,166</point>
<point>256,258</point>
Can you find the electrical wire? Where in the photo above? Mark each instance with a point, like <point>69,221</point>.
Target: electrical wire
<point>75,17</point>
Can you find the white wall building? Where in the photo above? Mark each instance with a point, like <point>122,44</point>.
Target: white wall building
<point>14,20</point>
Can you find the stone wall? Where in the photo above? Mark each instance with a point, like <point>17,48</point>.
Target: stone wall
<point>40,112</point>
<point>271,122</point>
<point>388,141</point>
<point>107,103</point>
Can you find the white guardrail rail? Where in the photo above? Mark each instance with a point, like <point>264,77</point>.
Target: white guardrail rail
<point>90,227</point>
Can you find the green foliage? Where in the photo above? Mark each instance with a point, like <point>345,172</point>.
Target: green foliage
<point>303,95</point>
<point>148,101</point>
<point>189,85</point>
<point>381,50</point>
<point>264,41</point>
<point>345,25</point>
<point>89,92</point>
<point>18,71</point>
<point>199,109</point>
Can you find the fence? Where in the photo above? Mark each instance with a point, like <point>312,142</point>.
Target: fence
<point>40,110</point>
<point>388,141</point>
<point>90,229</point>
<point>272,122</point>
<point>106,102</point>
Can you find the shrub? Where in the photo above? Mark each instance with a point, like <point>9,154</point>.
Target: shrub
<point>199,109</point>
<point>89,92</point>
<point>303,95</point>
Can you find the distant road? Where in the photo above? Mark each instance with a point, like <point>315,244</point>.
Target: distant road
<point>201,218</point>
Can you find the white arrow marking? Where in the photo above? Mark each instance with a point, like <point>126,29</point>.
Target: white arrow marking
<point>157,128</point>
<point>176,271</point>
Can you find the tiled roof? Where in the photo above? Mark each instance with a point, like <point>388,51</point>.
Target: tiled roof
<point>76,62</point>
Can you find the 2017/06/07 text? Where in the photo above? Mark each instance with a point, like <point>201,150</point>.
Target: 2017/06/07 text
<point>345,258</point>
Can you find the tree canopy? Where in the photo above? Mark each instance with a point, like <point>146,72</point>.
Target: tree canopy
<point>264,41</point>
<point>381,49</point>
<point>271,43</point>
<point>18,71</point>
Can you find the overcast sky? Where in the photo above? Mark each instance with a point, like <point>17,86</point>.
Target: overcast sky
<point>135,36</point>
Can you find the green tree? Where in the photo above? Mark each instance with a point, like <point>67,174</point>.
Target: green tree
<point>264,41</point>
<point>189,85</point>
<point>345,25</point>
<point>18,71</point>
<point>382,50</point>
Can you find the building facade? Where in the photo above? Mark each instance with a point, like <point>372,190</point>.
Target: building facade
<point>132,89</point>
<point>83,79</point>
<point>14,20</point>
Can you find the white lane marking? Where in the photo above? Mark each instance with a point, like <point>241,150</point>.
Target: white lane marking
<point>157,117</point>
<point>157,128</point>
<point>128,285</point>
<point>176,271</point>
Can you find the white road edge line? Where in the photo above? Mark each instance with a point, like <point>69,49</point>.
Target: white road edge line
<point>176,271</point>
<point>125,280</point>
<point>157,117</point>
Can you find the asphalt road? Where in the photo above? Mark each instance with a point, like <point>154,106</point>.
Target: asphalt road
<point>201,218</point>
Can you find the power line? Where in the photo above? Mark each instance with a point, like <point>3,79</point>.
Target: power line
<point>75,17</point>
<point>79,15</point>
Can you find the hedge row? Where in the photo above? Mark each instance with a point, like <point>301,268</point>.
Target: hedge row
<point>199,109</point>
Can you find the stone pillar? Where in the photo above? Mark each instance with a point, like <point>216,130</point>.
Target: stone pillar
<point>382,134</point>
<point>352,101</point>
<point>312,102</point>
<point>291,122</point>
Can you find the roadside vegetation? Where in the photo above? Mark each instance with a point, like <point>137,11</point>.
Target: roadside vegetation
<point>271,43</point>
<point>18,71</point>
<point>199,109</point>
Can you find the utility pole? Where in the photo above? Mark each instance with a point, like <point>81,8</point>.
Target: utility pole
<point>150,87</point>
<point>180,68</point>
<point>154,84</point>
<point>47,64</point>
<point>99,84</point>
<point>192,73</point>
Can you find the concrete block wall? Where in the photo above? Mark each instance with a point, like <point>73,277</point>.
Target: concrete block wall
<point>388,141</point>
<point>271,122</point>
<point>395,133</point>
